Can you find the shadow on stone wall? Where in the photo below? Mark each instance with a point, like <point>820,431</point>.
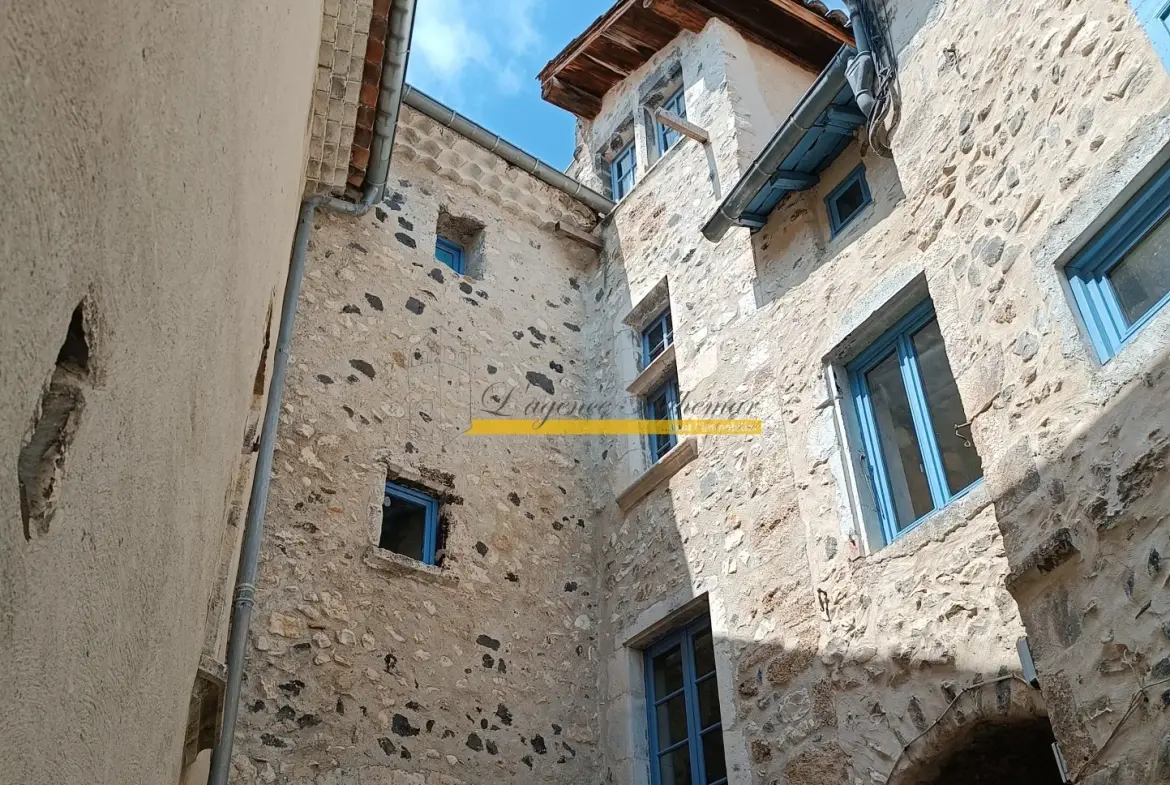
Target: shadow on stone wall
<point>809,717</point>
<point>1084,526</point>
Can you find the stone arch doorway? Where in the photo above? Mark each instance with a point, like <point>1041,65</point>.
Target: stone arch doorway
<point>1003,753</point>
<point>993,733</point>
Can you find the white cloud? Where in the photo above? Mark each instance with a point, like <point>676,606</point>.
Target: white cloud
<point>457,42</point>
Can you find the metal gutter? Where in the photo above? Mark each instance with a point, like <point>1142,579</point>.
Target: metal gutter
<point>815,101</point>
<point>493,143</point>
<point>394,62</point>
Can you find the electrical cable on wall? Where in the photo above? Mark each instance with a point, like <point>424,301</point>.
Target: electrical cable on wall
<point>887,100</point>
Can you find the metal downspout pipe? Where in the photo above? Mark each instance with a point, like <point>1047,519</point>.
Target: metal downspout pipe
<point>815,101</point>
<point>861,71</point>
<point>394,62</point>
<point>494,143</point>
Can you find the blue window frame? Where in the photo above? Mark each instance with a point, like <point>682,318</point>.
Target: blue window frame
<point>917,452</point>
<point>1154,15</point>
<point>848,199</point>
<point>675,105</point>
<point>662,404</point>
<point>450,254</point>
<point>657,337</point>
<point>410,523</point>
<point>1122,277</point>
<point>682,698</point>
<point>623,171</point>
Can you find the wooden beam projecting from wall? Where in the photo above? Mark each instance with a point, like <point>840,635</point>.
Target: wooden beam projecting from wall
<point>585,238</point>
<point>681,125</point>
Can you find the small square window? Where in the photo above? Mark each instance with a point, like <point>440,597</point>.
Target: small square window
<point>847,200</point>
<point>1122,277</point>
<point>623,171</point>
<point>675,105</point>
<point>682,699</point>
<point>662,404</point>
<point>450,254</point>
<point>656,338</point>
<point>410,523</point>
<point>912,423</point>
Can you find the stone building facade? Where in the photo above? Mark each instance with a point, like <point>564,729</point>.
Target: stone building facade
<point>842,655</point>
<point>555,569</point>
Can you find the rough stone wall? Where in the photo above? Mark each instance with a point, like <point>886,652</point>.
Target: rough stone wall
<point>160,147</point>
<point>755,523</point>
<point>1054,115</point>
<point>1009,150</point>
<point>345,48</point>
<point>366,667</point>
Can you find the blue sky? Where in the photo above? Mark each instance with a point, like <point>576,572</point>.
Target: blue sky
<point>481,58</point>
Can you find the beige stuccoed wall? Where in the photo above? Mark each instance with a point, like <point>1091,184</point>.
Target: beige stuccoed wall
<point>367,667</point>
<point>153,157</point>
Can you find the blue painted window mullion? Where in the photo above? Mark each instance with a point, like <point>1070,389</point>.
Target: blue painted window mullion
<point>698,773</point>
<point>651,717</point>
<point>672,409</point>
<point>928,448</point>
<point>1106,296</point>
<point>879,479</point>
<point>431,534</point>
<point>1084,291</point>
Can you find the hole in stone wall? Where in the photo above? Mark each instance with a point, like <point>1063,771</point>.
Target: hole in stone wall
<point>467,233</point>
<point>40,465</point>
<point>262,368</point>
<point>252,424</point>
<point>1017,753</point>
<point>74,353</point>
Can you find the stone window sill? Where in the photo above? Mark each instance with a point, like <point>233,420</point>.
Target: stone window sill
<point>671,464</point>
<point>936,527</point>
<point>400,566</point>
<point>654,374</point>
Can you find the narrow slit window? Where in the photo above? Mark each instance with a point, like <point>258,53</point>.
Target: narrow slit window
<point>916,443</point>
<point>410,523</point>
<point>847,200</point>
<point>623,171</point>
<point>657,338</point>
<point>450,254</point>
<point>686,728</point>
<point>1122,277</point>
<point>667,136</point>
<point>662,404</point>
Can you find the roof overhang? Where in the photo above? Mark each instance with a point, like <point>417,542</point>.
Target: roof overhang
<point>818,130</point>
<point>633,31</point>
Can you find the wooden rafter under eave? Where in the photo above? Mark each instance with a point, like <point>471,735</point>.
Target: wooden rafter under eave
<point>812,18</point>
<point>554,67</point>
<point>608,66</point>
<point>570,97</point>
